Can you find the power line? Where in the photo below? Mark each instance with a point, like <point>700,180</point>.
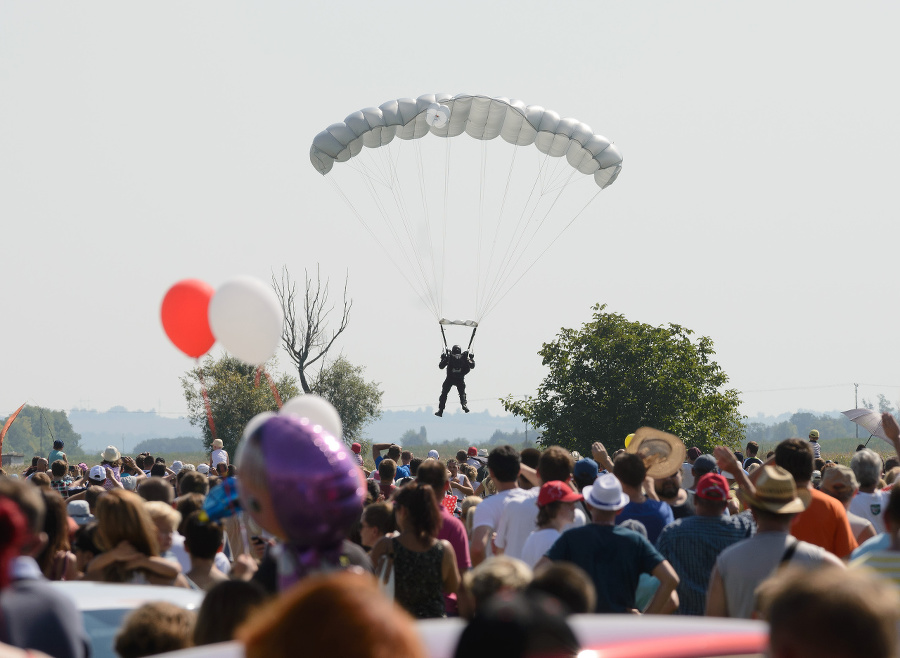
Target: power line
<point>807,388</point>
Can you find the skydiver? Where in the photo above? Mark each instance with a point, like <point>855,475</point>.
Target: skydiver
<point>458,365</point>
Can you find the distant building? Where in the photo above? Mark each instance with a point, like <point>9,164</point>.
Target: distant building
<point>13,459</point>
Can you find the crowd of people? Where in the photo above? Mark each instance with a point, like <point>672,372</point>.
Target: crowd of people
<point>809,545</point>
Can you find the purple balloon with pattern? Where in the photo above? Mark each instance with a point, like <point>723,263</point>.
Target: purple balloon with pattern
<point>317,489</point>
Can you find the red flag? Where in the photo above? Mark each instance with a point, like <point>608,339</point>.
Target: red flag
<point>9,421</point>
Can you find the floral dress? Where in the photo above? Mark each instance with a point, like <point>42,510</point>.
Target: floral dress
<point>419,580</point>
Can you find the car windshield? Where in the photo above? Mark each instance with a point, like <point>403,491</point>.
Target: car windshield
<point>101,627</point>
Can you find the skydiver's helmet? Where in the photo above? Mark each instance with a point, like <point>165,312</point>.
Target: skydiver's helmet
<point>456,349</point>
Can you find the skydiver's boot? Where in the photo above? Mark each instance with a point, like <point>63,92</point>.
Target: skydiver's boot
<point>439,412</point>
<point>462,401</point>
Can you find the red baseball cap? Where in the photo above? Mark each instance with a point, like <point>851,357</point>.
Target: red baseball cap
<point>472,452</point>
<point>712,486</point>
<point>556,491</point>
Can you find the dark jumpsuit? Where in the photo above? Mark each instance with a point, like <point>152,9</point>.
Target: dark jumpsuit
<point>458,366</point>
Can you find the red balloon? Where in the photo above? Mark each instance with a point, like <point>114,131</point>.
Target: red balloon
<point>185,318</point>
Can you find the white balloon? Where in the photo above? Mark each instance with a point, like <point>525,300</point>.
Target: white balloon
<point>318,410</point>
<point>246,317</point>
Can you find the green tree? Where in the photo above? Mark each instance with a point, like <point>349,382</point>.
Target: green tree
<point>613,375</point>
<point>413,439</point>
<point>235,396</point>
<point>357,401</point>
<point>34,430</point>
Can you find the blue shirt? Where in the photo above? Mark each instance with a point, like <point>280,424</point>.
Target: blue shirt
<point>691,545</point>
<point>654,514</point>
<point>613,557</point>
<point>402,472</point>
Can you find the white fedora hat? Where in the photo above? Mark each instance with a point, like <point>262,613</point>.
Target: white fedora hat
<point>606,493</point>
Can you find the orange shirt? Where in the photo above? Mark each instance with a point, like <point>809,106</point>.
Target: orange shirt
<point>824,523</point>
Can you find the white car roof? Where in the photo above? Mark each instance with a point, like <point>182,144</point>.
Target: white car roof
<point>92,595</point>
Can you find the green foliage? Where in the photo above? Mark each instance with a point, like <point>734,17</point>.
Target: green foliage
<point>500,438</point>
<point>234,396</point>
<point>612,376</point>
<point>357,401</point>
<point>179,444</point>
<point>884,405</point>
<point>34,430</point>
<point>799,425</point>
<point>412,438</point>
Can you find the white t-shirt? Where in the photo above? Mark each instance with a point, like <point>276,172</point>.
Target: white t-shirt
<point>489,511</point>
<point>219,456</point>
<point>181,554</point>
<point>871,506</point>
<point>538,543</point>
<point>519,520</point>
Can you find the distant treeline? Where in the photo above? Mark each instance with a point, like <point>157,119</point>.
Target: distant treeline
<point>165,446</point>
<point>799,425</point>
<point>412,438</point>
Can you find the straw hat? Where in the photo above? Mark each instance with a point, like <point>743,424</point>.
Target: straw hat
<point>776,492</point>
<point>111,454</point>
<point>663,453</point>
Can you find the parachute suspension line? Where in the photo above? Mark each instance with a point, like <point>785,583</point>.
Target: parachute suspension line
<point>392,229</point>
<point>400,203</point>
<point>365,171</point>
<point>423,191</point>
<point>404,250</point>
<point>521,253</point>
<point>359,217</point>
<point>480,221</point>
<point>540,255</point>
<point>510,245</point>
<point>444,226</point>
<point>482,284</point>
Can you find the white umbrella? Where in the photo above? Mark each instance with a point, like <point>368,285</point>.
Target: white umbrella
<point>870,421</point>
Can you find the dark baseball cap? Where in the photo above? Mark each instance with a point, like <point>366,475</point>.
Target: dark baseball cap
<point>705,464</point>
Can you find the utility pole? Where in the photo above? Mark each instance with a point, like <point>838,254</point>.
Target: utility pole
<point>856,406</point>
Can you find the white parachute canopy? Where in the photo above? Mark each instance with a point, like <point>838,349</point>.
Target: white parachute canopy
<point>463,220</point>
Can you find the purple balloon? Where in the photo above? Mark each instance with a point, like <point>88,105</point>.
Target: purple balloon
<point>316,488</point>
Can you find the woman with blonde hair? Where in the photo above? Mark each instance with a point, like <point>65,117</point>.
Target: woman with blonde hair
<point>467,511</point>
<point>128,538</point>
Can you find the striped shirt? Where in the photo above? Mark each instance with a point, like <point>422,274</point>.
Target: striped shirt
<point>885,563</point>
<point>691,545</point>
<point>62,486</point>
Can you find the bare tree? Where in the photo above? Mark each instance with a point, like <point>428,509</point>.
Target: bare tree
<point>305,335</point>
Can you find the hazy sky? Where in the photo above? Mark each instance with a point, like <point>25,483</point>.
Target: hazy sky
<point>144,143</point>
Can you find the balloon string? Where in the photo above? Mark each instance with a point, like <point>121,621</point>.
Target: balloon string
<point>205,394</point>
<point>259,370</point>
<point>274,389</point>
